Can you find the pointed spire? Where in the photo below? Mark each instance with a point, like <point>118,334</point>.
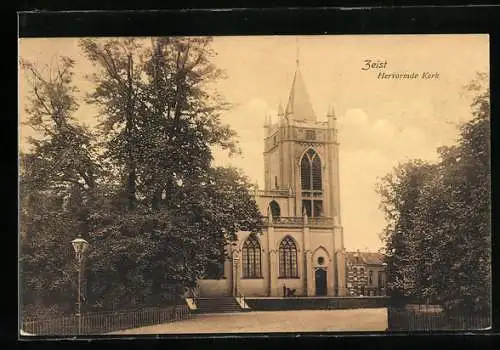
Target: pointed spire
<point>299,106</point>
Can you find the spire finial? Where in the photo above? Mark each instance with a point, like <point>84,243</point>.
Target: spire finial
<point>297,48</point>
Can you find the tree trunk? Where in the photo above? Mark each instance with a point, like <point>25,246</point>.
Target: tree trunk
<point>131,180</point>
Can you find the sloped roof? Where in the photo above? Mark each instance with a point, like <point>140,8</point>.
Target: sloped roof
<point>367,258</point>
<point>299,106</point>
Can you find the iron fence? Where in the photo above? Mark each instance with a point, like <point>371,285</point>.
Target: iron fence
<point>434,318</point>
<point>104,322</point>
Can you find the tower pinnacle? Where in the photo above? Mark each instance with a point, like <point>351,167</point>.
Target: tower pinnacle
<point>331,111</point>
<point>281,112</point>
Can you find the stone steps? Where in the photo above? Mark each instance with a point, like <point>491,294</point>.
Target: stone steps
<point>217,305</point>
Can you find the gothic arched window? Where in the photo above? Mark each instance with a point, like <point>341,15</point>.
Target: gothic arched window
<point>312,184</point>
<point>251,258</point>
<point>288,258</point>
<point>310,170</point>
<point>275,209</point>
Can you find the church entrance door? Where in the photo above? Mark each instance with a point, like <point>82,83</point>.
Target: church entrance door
<point>320,277</point>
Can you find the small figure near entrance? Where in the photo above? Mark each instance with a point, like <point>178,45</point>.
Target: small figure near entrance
<point>287,292</point>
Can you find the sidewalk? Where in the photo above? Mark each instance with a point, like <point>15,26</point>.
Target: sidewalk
<point>274,321</point>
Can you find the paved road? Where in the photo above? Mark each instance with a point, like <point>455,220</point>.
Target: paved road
<point>274,321</point>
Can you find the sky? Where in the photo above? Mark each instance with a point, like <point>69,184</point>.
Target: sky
<point>381,121</point>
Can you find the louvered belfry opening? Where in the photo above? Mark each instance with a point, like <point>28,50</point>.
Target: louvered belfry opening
<point>312,184</point>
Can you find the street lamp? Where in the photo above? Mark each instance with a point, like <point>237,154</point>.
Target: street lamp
<point>384,279</point>
<point>236,259</point>
<point>80,246</point>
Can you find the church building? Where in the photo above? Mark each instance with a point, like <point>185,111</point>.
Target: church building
<point>301,248</point>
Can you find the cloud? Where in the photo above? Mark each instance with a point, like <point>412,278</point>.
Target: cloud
<point>394,140</point>
<point>354,130</point>
<point>248,121</point>
<point>361,218</point>
<point>384,129</point>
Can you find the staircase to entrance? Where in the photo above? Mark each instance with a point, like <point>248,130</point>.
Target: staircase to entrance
<point>217,305</point>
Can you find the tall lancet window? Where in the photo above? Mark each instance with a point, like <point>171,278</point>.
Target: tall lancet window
<point>288,258</point>
<point>312,184</point>
<point>251,258</point>
<point>310,170</point>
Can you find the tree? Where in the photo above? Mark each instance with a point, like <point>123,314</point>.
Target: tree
<point>142,189</point>
<point>164,122</point>
<point>57,176</point>
<point>400,192</point>
<point>438,228</point>
<point>470,184</point>
<point>117,94</point>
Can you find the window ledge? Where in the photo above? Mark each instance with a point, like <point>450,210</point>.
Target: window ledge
<point>289,278</point>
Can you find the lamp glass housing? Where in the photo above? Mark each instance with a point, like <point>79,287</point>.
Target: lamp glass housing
<point>80,245</point>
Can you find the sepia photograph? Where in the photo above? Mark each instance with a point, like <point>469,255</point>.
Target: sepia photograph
<point>254,184</point>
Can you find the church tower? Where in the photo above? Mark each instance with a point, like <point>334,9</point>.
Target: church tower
<point>301,154</point>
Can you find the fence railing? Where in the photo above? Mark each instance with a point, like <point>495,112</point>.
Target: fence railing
<point>240,298</point>
<point>284,221</point>
<point>272,193</point>
<point>315,222</point>
<point>433,318</point>
<point>105,322</point>
<point>366,291</point>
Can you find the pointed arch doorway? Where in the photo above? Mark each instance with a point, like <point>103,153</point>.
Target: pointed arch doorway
<point>320,281</point>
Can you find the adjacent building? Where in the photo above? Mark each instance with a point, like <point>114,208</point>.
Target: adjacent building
<point>365,274</point>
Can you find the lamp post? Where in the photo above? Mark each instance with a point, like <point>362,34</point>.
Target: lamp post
<point>80,246</point>
<point>384,278</point>
<point>236,259</point>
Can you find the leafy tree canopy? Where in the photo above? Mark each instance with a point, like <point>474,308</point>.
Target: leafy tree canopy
<point>141,188</point>
<point>438,232</point>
